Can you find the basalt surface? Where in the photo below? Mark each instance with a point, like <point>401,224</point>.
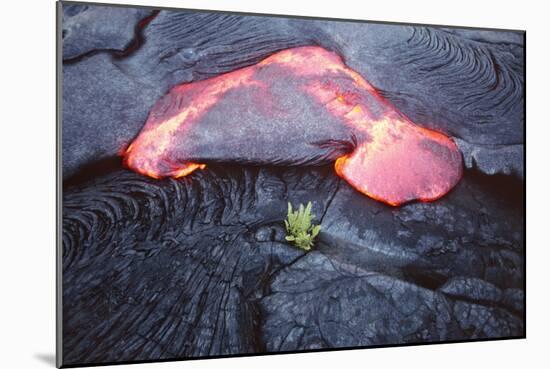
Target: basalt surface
<point>199,265</point>
<point>195,266</point>
<point>466,84</point>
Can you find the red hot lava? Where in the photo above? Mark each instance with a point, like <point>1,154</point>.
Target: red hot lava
<point>394,161</point>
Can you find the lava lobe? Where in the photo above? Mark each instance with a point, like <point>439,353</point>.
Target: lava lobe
<point>300,106</point>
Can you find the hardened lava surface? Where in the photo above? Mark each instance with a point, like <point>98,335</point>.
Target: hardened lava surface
<point>198,266</point>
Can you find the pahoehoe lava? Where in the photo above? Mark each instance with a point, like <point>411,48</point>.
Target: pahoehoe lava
<point>199,266</point>
<point>427,73</point>
<point>299,106</point>
<point>195,266</point>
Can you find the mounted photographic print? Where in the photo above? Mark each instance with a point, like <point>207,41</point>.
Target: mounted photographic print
<point>243,184</point>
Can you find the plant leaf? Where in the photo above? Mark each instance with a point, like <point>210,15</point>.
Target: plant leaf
<point>315,231</point>
<point>300,230</point>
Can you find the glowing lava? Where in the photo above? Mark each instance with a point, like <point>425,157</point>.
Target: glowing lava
<point>281,111</point>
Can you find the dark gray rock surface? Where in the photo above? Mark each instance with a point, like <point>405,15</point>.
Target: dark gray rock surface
<point>164,269</point>
<point>467,84</point>
<point>472,90</point>
<point>199,266</point>
<point>98,28</point>
<point>103,110</point>
<point>494,159</point>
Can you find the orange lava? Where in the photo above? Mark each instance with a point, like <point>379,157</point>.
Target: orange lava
<point>395,160</point>
<point>391,168</point>
<point>158,134</point>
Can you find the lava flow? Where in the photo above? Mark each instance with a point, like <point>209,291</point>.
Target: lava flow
<point>279,110</point>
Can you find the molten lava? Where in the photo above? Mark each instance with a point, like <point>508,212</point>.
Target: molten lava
<point>392,160</point>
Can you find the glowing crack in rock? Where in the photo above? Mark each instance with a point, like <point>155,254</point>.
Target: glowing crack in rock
<point>300,106</point>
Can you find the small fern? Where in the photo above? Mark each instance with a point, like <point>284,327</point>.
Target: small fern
<point>299,229</point>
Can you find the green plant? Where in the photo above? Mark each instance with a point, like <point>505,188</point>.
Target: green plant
<point>299,229</point>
